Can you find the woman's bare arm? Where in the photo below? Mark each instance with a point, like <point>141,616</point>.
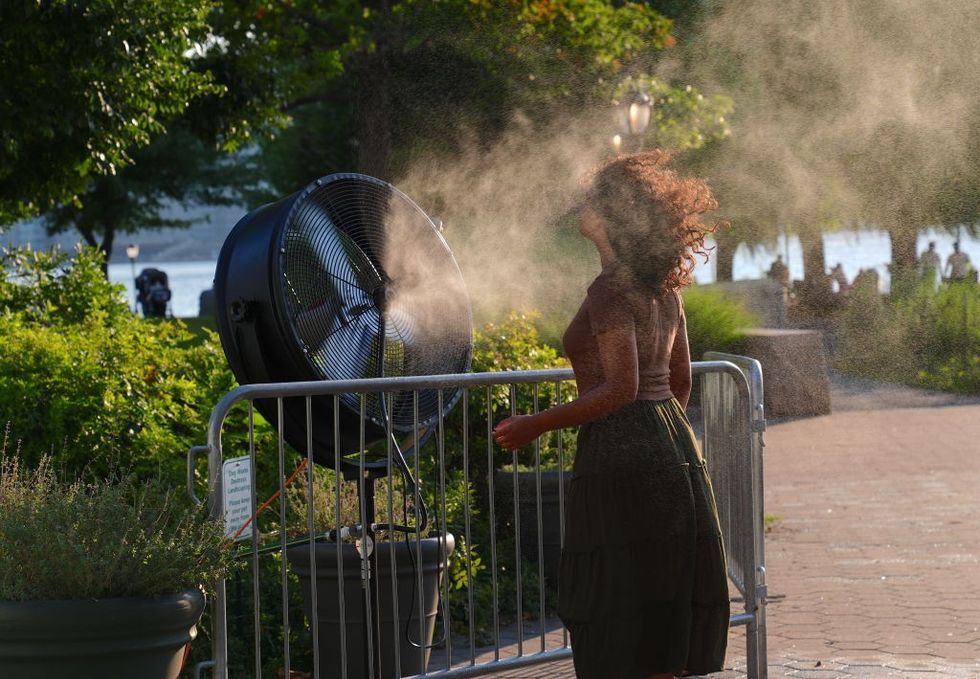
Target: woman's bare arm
<point>680,362</point>
<point>621,380</point>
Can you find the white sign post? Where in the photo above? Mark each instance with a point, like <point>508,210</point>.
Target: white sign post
<point>236,483</point>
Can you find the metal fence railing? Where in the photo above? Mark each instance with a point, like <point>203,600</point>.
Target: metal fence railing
<point>732,442</point>
<point>337,584</point>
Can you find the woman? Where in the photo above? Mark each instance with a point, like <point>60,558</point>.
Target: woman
<point>642,586</point>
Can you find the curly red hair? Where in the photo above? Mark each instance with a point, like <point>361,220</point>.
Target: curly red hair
<point>653,217</point>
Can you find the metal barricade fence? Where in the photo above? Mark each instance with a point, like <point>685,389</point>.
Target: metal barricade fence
<point>352,640</point>
<point>732,443</point>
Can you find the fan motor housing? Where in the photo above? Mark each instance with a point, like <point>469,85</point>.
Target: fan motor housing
<point>336,282</point>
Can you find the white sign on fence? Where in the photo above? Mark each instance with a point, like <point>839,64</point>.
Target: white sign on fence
<point>236,481</point>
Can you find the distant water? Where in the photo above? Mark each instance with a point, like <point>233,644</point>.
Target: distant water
<point>855,250</point>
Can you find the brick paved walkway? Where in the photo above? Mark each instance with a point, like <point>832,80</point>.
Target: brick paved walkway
<point>874,562</point>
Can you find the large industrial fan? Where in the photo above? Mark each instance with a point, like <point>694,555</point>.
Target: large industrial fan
<point>345,279</point>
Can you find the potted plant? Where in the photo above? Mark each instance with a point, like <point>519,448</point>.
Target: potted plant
<point>99,579</point>
<point>433,551</point>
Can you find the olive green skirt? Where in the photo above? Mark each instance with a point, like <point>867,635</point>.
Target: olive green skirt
<point>642,586</point>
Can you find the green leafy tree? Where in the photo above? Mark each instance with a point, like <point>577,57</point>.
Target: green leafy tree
<point>771,174</point>
<point>177,168</point>
<point>468,65</point>
<point>85,84</point>
<point>327,85</point>
<point>179,87</point>
<point>425,78</point>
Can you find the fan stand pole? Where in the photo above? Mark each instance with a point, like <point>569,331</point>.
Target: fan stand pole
<point>369,581</point>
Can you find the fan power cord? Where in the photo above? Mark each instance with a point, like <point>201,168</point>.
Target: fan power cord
<point>443,603</point>
<point>422,516</point>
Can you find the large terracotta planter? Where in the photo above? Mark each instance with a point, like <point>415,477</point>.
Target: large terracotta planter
<point>406,578</point>
<point>131,638</point>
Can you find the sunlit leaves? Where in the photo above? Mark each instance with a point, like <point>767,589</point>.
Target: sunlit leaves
<point>83,85</point>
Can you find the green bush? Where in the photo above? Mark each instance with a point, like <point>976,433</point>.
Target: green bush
<point>956,373</point>
<point>111,538</point>
<point>512,344</point>
<point>715,321</point>
<point>86,381</point>
<point>52,289</point>
<point>929,337</point>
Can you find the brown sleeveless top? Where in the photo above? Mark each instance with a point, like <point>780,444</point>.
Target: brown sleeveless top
<point>614,300</point>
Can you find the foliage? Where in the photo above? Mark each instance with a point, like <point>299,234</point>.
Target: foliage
<point>315,86</point>
<point>84,85</point>
<point>158,98</point>
<point>956,373</point>
<point>430,77</point>
<point>177,168</point>
<point>715,322</point>
<point>928,338</point>
<point>85,380</point>
<point>819,139</point>
<point>127,538</point>
<point>47,288</point>
<point>94,387</point>
<point>513,344</point>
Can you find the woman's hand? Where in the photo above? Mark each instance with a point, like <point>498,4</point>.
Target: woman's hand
<point>516,431</point>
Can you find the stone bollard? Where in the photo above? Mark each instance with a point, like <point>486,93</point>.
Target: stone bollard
<point>794,368</point>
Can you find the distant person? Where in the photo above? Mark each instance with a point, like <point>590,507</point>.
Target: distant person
<point>779,272</point>
<point>866,279</point>
<point>929,263</point>
<point>838,276</point>
<point>154,292</point>
<point>958,265</point>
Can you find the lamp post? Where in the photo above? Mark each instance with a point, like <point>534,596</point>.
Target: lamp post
<point>133,251</point>
<point>633,117</point>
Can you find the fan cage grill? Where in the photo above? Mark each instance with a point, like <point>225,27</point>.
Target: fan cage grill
<point>341,298</point>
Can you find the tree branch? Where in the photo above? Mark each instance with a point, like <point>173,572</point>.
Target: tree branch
<point>89,236</point>
<point>299,102</point>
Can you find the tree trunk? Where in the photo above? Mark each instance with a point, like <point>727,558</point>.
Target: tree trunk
<point>904,267</point>
<point>373,116</point>
<point>725,246</point>
<point>814,259</point>
<point>107,240</point>
<point>89,237</point>
<point>105,246</point>
<point>903,242</point>
<point>816,293</point>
